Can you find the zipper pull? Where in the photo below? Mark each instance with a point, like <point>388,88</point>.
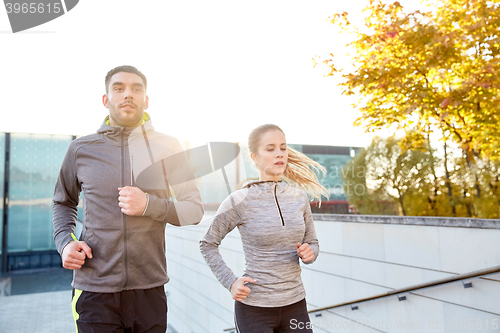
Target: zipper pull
<point>278,205</point>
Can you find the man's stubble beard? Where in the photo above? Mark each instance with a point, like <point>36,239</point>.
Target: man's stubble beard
<point>120,121</point>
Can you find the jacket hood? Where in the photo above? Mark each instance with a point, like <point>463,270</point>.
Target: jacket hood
<point>114,132</point>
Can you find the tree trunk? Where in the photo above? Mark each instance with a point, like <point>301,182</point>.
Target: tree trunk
<point>401,204</point>
<point>476,182</point>
<point>472,169</point>
<point>448,183</point>
<point>432,200</point>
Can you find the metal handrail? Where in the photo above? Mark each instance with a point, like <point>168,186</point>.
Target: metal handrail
<point>434,283</point>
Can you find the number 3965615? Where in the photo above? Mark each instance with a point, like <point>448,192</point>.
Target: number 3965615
<point>33,8</point>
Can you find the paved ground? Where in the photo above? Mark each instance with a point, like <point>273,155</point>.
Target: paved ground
<point>48,312</point>
<point>40,302</point>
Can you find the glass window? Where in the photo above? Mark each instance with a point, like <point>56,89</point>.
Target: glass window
<point>332,181</point>
<point>35,160</point>
<point>2,173</point>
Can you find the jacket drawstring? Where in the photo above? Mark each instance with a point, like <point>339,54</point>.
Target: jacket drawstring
<point>152,159</point>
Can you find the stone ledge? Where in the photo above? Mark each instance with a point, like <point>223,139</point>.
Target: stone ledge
<point>457,222</point>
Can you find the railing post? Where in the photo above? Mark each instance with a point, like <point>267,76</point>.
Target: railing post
<point>5,256</point>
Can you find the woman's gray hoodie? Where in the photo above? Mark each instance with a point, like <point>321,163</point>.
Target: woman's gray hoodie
<point>272,217</point>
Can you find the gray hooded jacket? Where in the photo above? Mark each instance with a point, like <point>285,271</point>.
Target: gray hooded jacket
<point>272,217</point>
<point>128,251</point>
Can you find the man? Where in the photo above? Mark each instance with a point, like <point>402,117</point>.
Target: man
<point>124,171</point>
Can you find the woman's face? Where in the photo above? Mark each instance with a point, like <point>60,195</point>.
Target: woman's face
<point>271,157</point>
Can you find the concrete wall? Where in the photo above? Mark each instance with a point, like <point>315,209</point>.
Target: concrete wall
<point>360,256</point>
<point>196,300</point>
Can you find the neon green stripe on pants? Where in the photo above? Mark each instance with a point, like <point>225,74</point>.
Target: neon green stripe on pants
<point>78,292</point>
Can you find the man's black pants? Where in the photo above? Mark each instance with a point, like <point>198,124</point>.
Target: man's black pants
<point>134,311</point>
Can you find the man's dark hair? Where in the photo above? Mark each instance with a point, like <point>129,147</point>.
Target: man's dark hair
<point>128,69</point>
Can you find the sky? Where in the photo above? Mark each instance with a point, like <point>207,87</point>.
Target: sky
<point>215,69</point>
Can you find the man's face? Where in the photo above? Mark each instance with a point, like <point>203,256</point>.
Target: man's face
<point>126,100</point>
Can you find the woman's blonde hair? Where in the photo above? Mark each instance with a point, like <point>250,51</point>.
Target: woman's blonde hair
<point>299,169</point>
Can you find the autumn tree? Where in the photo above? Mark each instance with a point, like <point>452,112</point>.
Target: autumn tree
<point>385,179</point>
<point>384,176</point>
<point>431,71</point>
<point>428,71</point>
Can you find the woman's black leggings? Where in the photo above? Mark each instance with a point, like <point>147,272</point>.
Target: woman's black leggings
<point>291,318</point>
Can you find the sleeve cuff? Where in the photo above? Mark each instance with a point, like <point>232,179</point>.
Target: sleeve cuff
<point>65,241</point>
<point>147,204</point>
<point>230,282</point>
<point>162,210</point>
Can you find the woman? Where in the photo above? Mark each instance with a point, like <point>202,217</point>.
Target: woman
<point>276,227</point>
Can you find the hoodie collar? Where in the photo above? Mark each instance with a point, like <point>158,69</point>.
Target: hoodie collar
<point>114,133</point>
<point>145,118</point>
<point>265,184</point>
